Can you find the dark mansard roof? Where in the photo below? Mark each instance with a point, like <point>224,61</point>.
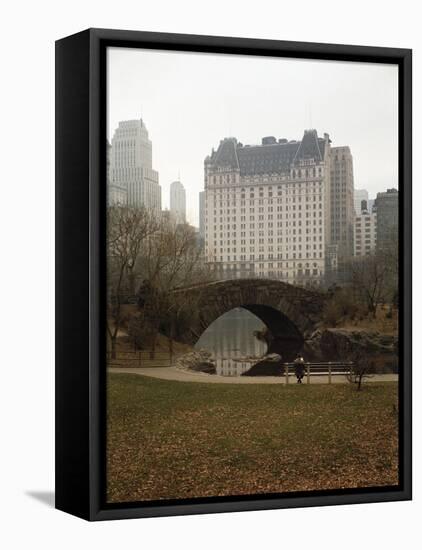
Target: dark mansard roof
<point>270,157</point>
<point>226,154</point>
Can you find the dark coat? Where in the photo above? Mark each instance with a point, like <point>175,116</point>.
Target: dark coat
<point>299,367</point>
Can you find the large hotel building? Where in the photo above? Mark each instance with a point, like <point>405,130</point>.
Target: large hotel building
<point>282,209</point>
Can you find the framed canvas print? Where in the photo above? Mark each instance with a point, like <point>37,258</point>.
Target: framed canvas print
<point>233,274</point>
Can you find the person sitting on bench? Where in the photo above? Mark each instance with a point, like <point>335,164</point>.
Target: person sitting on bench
<point>299,364</point>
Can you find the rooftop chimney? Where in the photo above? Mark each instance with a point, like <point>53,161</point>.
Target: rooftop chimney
<point>268,140</point>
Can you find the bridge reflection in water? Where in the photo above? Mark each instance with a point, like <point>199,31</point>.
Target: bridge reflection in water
<point>231,337</point>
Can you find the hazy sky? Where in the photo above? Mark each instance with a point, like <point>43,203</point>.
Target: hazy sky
<point>190,101</point>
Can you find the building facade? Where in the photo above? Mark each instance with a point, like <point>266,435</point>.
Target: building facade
<point>365,241</point>
<point>178,202</point>
<point>268,208</point>
<point>387,209</point>
<point>116,194</point>
<point>133,181</point>
<point>202,216</point>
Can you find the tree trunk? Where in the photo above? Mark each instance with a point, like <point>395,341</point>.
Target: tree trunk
<point>171,343</point>
<point>154,340</point>
<point>113,347</point>
<point>131,279</point>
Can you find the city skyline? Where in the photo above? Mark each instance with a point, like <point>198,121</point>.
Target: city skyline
<point>355,103</point>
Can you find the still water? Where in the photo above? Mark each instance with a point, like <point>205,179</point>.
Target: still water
<point>232,336</point>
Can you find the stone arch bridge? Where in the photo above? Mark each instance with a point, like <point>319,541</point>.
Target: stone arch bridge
<point>290,313</point>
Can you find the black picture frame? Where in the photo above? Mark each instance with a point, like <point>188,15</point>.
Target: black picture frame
<point>80,270</point>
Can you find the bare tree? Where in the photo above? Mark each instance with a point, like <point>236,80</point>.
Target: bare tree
<point>363,367</point>
<point>183,310</point>
<point>375,277</point>
<point>127,228</point>
<point>390,253</point>
<point>370,276</point>
<point>148,257</point>
<point>170,258</point>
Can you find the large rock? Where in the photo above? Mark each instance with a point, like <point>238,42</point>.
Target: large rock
<point>198,360</point>
<point>338,345</point>
<point>269,365</point>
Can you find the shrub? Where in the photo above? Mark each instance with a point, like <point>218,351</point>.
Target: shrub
<point>342,306</point>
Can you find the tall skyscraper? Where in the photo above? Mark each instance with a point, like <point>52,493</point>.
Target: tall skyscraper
<point>387,209</point>
<point>342,202</point>
<point>359,196</point>
<point>131,166</point>
<point>178,202</point>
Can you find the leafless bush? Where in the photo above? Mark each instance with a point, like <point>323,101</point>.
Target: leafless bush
<point>364,367</point>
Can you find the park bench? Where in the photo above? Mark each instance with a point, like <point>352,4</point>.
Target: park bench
<point>322,368</point>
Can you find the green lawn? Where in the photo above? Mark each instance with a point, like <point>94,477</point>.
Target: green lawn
<point>183,440</point>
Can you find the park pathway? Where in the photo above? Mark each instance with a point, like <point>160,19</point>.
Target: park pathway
<point>173,373</point>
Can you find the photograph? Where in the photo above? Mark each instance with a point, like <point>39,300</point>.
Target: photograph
<point>210,241</point>
<point>252,275</point>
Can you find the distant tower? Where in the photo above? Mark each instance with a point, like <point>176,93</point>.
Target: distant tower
<point>131,165</point>
<point>178,202</point>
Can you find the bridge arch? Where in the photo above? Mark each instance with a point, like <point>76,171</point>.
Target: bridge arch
<point>291,313</point>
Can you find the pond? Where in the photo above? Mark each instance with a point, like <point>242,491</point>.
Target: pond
<point>232,337</point>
